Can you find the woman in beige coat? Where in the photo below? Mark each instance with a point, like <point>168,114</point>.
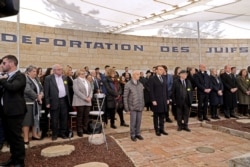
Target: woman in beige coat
<point>82,101</point>
<point>243,83</point>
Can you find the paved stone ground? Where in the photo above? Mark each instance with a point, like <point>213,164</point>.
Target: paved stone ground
<point>178,149</point>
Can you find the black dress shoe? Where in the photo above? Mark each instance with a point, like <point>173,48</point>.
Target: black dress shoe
<point>86,132</point>
<point>234,116</point>
<point>34,138</point>
<point>113,126</point>
<point>125,125</point>
<point>19,165</point>
<point>207,119</point>
<point>169,120</point>
<point>80,134</point>
<point>1,146</point>
<point>158,133</point>
<point>54,138</point>
<point>227,116</point>
<point>63,136</point>
<point>179,129</point>
<point>217,117</point>
<point>7,163</point>
<point>163,132</point>
<point>200,119</point>
<point>187,129</point>
<point>133,138</point>
<point>139,137</point>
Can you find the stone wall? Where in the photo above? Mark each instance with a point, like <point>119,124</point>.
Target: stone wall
<point>45,46</point>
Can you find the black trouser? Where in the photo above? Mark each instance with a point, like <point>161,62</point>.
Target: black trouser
<point>214,111</point>
<point>13,133</point>
<point>82,118</point>
<point>44,123</point>
<point>167,112</point>
<point>158,119</point>
<point>120,113</point>
<point>174,112</point>
<point>148,106</point>
<point>111,112</point>
<point>182,114</point>
<point>2,135</point>
<point>243,109</point>
<point>60,116</point>
<point>228,111</point>
<point>202,105</point>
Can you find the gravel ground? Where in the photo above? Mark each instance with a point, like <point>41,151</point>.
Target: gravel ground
<point>84,153</point>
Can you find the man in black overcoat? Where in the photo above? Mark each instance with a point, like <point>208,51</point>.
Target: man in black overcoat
<point>159,98</point>
<point>204,86</point>
<point>182,98</point>
<point>229,93</point>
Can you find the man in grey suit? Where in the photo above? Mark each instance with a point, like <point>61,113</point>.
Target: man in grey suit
<point>57,100</point>
<point>134,103</point>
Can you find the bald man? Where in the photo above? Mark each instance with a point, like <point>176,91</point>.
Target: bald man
<point>134,103</point>
<point>58,101</point>
<point>203,83</point>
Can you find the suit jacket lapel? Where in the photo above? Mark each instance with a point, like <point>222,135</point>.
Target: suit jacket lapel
<point>13,76</point>
<point>82,86</point>
<point>53,79</point>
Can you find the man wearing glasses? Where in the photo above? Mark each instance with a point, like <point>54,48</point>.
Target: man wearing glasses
<point>58,101</point>
<point>13,109</point>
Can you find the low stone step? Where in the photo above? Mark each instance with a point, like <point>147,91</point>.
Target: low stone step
<point>240,161</point>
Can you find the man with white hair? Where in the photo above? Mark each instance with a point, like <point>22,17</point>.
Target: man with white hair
<point>134,103</point>
<point>57,100</point>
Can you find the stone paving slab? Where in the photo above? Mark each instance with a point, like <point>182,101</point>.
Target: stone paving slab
<point>179,148</point>
<point>93,164</point>
<point>59,150</point>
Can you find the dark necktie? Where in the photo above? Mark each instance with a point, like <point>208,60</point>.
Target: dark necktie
<point>183,83</point>
<point>160,78</point>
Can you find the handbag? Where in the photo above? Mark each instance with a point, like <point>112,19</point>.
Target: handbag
<point>94,126</point>
<point>119,103</point>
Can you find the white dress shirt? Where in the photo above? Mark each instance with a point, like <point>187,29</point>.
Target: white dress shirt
<point>61,87</point>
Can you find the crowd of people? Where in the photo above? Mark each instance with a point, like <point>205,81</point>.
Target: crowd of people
<point>58,91</point>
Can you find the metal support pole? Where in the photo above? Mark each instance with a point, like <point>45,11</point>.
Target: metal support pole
<point>199,41</point>
<point>18,39</point>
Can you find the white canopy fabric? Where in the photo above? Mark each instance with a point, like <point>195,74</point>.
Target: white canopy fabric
<point>222,19</point>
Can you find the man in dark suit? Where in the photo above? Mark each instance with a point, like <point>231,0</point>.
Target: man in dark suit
<point>182,98</point>
<point>204,86</point>
<point>216,94</point>
<point>229,93</point>
<point>159,98</point>
<point>169,81</point>
<point>13,109</point>
<point>57,100</point>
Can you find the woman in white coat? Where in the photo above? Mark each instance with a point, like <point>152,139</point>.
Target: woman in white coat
<point>82,101</point>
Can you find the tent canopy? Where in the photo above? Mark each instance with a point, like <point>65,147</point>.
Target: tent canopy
<point>161,18</point>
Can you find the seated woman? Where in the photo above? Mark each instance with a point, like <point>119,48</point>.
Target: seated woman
<point>33,94</point>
